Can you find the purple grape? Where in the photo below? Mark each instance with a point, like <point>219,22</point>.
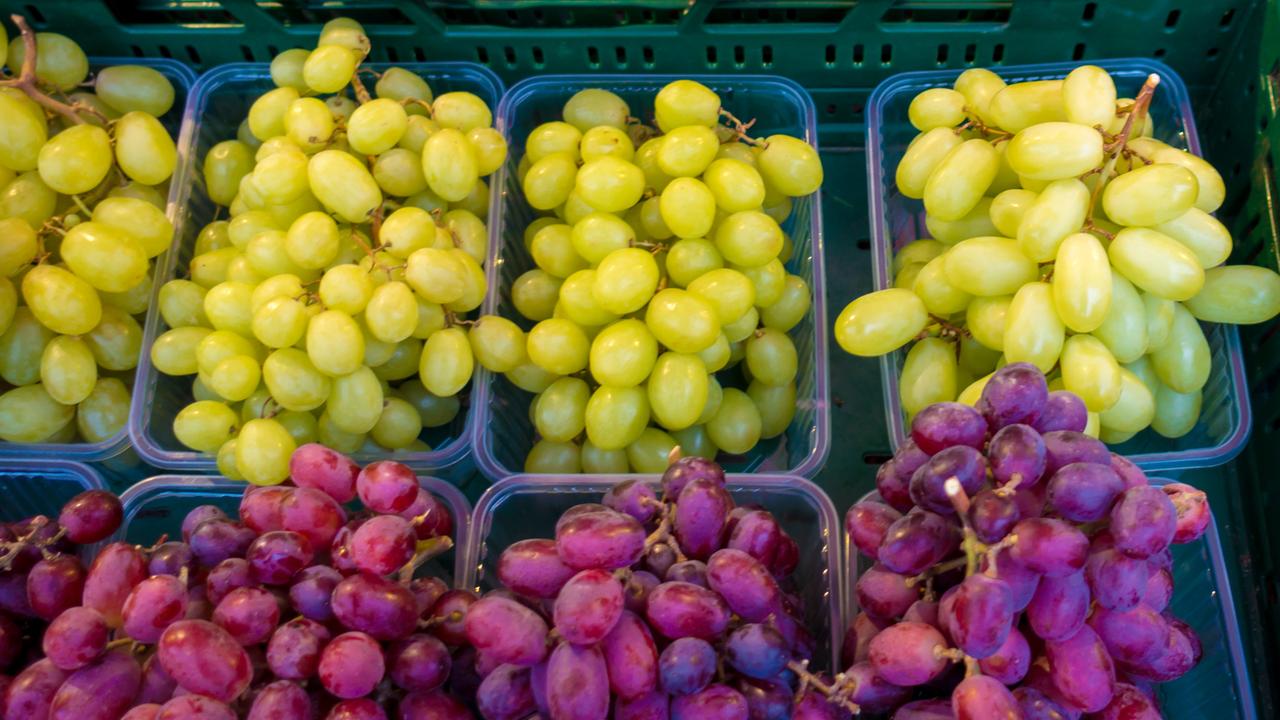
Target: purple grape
<point>532,567</point>
<point>429,516</point>
<point>1021,581</point>
<point>13,594</point>
<point>758,534</point>
<point>1016,393</point>
<point>714,702</point>
<point>636,591</point>
<point>293,653</point>
<point>925,710</point>
<point>757,651</point>
<point>1129,703</point>
<point>906,654</point>
<point>112,576</point>
<point>634,498</point>
<point>983,698</point>
<point>216,540</point>
<point>1016,453</point>
<point>357,709</point>
<point>101,691</point>
<point>702,512</point>
<point>992,515</point>
<point>894,489</point>
<point>917,541</point>
<point>1181,654</point>
<point>1082,670</point>
<point>91,516</point>
<point>375,606</point>
<point>419,662</point>
<point>1063,410</point>
<point>313,514</point>
<point>261,508</point>
<point>857,637</point>
<point>506,631</point>
<point>787,559</point>
<point>1030,500</point>
<point>960,462</point>
<point>1143,521</point>
<point>54,585</point>
<point>867,523</point>
<point>631,657</point>
<point>686,469</point>
<point>811,705</point>
<point>1084,492</point>
<point>76,638</point>
<point>505,694</point>
<point>588,607</point>
<point>32,690</point>
<point>1040,679</point>
<point>153,605</point>
<point>653,706</point>
<point>434,705</point>
<point>871,692</point>
<point>197,517</point>
<point>383,544</point>
<point>1132,637</point>
<point>448,616</point>
<point>1063,447</point>
<point>577,683</point>
<point>982,615</point>
<point>1059,606</point>
<point>387,486</point>
<point>171,558</point>
<point>885,594</point>
<point>1036,706</point>
<point>1130,474</point>
<point>1117,580</point>
<point>948,424</point>
<point>1049,547</point>
<point>922,611</point>
<point>427,590</point>
<point>156,685</point>
<point>607,540</point>
<point>680,610</point>
<point>1159,590</point>
<point>686,666</point>
<point>766,699</point>
<point>1009,664</point>
<point>318,467</point>
<point>281,700</point>
<point>1192,507</point>
<point>690,571</point>
<point>659,559</point>
<point>226,576</point>
<point>312,591</point>
<point>351,665</point>
<point>745,584</point>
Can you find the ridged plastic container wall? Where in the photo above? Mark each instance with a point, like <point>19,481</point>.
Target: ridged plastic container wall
<point>156,506</point>
<point>41,487</point>
<point>897,220</point>
<point>527,506</point>
<point>505,433</point>
<point>220,100</point>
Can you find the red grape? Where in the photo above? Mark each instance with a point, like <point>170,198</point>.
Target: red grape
<point>607,540</point>
<point>419,662</point>
<point>383,544</point>
<point>203,658</point>
<point>505,694</point>
<point>906,654</point>
<point>112,576</point>
<point>714,702</point>
<point>281,700</point>
<point>1016,393</point>
<point>588,607</point>
<point>631,657</point>
<point>153,605</point>
<point>91,516</point>
<point>680,609</point>
<point>293,653</point>
<point>387,486</point>
<point>1082,670</point>
<point>375,606</point>
<point>313,514</point>
<point>884,593</point>
<point>948,424</point>
<point>329,471</point>
<point>76,638</point>
<point>702,511</point>
<point>506,631</point>
<point>351,665</point>
<point>532,567</point>
<point>577,683</point>
<point>248,614</point>
<point>196,707</point>
<point>53,585</point>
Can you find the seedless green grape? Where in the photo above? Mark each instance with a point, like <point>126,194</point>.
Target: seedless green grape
<point>651,452</point>
<point>615,417</point>
<point>987,266</point>
<point>1055,213</point>
<point>559,412</point>
<point>262,452</point>
<point>879,323</point>
<point>771,357</point>
<point>687,207</point>
<point>1091,372</point>
<point>1150,195</point>
<point>928,375</point>
<point>497,343</point>
<point>1124,330</point>
<point>623,354</point>
<point>1237,294</point>
<point>1055,151</point>
<point>1082,283</point>
<point>1156,263</point>
<point>677,390</point>
<point>936,108</point>
<point>355,400</point>
<point>104,413</point>
<point>75,160</point>
<point>961,178</point>
<point>682,321</point>
<point>921,158</point>
<point>205,425</point>
<point>1033,332</point>
<point>68,370</point>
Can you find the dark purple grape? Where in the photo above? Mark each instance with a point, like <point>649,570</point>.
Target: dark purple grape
<point>982,615</point>
<point>1143,521</point>
<point>54,585</point>
<point>960,462</point>
<point>787,559</point>
<point>32,690</point>
<point>766,699</point>
<point>1084,492</point>
<point>756,533</point>
<point>637,588</point>
<point>906,654</point>
<point>1009,664</point>
<point>1041,681</point>
<point>1063,410</point>
<point>171,558</point>
<point>429,516</point>
<point>871,692</point>
<point>13,594</point>
<point>1132,637</point>
<point>1016,453</point>
<point>884,593</point>
<point>634,498</point>
<point>702,511</point>
<point>506,631</point>
<point>690,571</point>
<point>714,702</point>
<point>679,610</point>
<point>375,606</point>
<point>1036,706</point>
<point>757,651</point>
<point>659,558</point>
<point>857,637</point>
<point>948,424</point>
<point>216,540</point>
<point>607,540</point>
<point>894,489</point>
<point>686,469</point>
<point>1082,670</point>
<point>983,698</point>
<point>925,710</point>
<point>312,591</point>
<point>1016,393</point>
<point>1063,447</point>
<point>198,516</point>
<point>1192,506</point>
<point>917,541</point>
<point>993,515</point>
<point>1129,703</point>
<point>1117,580</point>
<point>293,653</point>
<point>1130,474</point>
<point>419,662</point>
<point>156,686</point>
<point>228,575</point>
<point>653,706</point>
<point>1021,581</point>
<point>867,523</point>
<point>686,665</point>
<point>91,516</point>
<point>1030,500</point>
<point>505,694</point>
<point>577,682</point>
<point>1059,606</point>
<point>1049,547</point>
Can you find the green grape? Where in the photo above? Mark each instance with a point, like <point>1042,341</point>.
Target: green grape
<point>59,60</point>
<point>1033,331</point>
<point>246,226</point>
<point>715,396</point>
<point>1124,330</point>
<point>683,321</point>
<point>75,160</point>
<point>985,318</point>
<point>650,219</point>
<point>336,438</point>
<point>343,184</point>
<point>68,370</point>
<point>749,238</point>
<point>1024,104</point>
<point>771,357</point>
<point>8,304</point>
<point>557,346</point>
<point>308,123</point>
<point>116,342</point>
<point>1055,151</point>
<point>461,111</point>
<point>281,322</point>
<point>615,417</point>
<point>104,413</point>
<point>687,151</point>
<point>555,458</point>
<point>376,126</point>
<point>174,352</point>
<point>716,356</point>
<point>550,180</point>
<point>262,452</point>
<point>574,209</point>
<point>229,306</point>
<point>987,266</point>
<point>790,165</point>
<point>739,330</point>
<point>435,411</point>
<point>29,414</point>
<point>1159,317</point>
<point>335,343</point>
<point>399,173</point>
<point>490,148</point>
<point>281,177</point>
<point>468,233</point>
<point>60,300</point>
<point>1091,372</point>
<point>917,251</point>
<point>28,198</point>
<point>768,280</point>
<point>969,396</point>
<point>1089,96</point>
<point>578,304</point>
<point>1211,190</point>
<point>277,286</point>
<point>728,291</point>
<point>688,208</point>
<point>234,378</point>
<point>646,159</point>
<point>1006,178</point>
<point>449,164</point>
<point>694,442</point>
<point>1134,408</point>
<point>691,258</point>
<point>397,83</point>
<point>355,401</point>
<point>530,378</point>
<point>497,343</point>
<point>776,405</point>
<point>430,318</point>
<point>1202,234</point>
<point>226,461</point>
<point>392,312</point>
<point>906,277</point>
<point>879,323</point>
<point>259,403</point>
<point>436,275</point>
<point>534,294</point>
<point>376,352</point>
<point>141,221</point>
<point>1082,283</point>
<point>609,184</point>
<point>606,141</point>
<point>398,426</point>
<point>144,150</point>
<point>341,107</point>
<point>1057,212</point>
<point>447,362</point>
<point>623,354</point>
<point>739,151</point>
<point>1238,295</point>
<point>328,69</point>
<point>294,382</point>
<point>625,280</point>
<point>427,200</point>
<point>105,257</point>
<point>559,412</point>
<point>976,222</point>
<point>593,106</point>
<point>267,255</point>
<point>276,145</point>
<point>212,347</point>
<point>551,138</point>
<point>737,426</point>
<point>1176,413</point>
<point>686,102</point>
<point>936,108</point>
<point>1150,195</point>
<point>650,453</point>
<point>346,288</point>
<point>677,390</point>
<point>18,247</point>
<point>553,251</point>
<point>403,362</point>
<point>312,241</point>
<point>286,69</point>
<point>975,359</point>
<point>960,179</point>
<point>1156,263</point>
<point>597,461</point>
<point>598,234</point>
<point>928,375</point>
<point>922,157</point>
<point>25,132</point>
<point>473,286</point>
<point>1009,208</point>
<point>244,134</point>
<point>204,425</point>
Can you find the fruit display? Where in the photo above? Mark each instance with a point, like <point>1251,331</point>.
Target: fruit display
<point>1061,233</point>
<point>1017,568</point>
<point>84,170</point>
<point>331,304</point>
<point>661,296</point>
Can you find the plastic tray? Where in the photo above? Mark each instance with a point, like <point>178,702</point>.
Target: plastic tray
<point>527,506</point>
<point>218,103</point>
<point>182,78</point>
<point>157,506</point>
<point>505,433</point>
<point>42,487</point>
<point>1225,418</point>
<point>1218,687</point>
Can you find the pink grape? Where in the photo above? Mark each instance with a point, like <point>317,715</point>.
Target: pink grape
<point>871,692</point>
<point>714,702</point>
<point>1009,664</point>
<point>636,592</point>
<point>216,540</point>
<point>532,567</point>
<point>1143,521</point>
<point>427,590</point>
<point>312,590</point>
<point>55,584</point>
<point>993,515</point>
<point>101,691</point>
<point>634,498</point>
<point>1016,452</point>
<point>156,686</point>
<point>745,584</point>
<point>982,698</point>
<point>922,611</point>
<point>1129,703</point>
<point>197,707</point>
<point>579,509</point>
<point>429,517</point>
<point>314,515</point>
<point>171,558</point>
<point>114,572</point>
<point>448,616</point>
<point>686,469</point>
<point>387,486</point>
<point>905,654</point>
<point>917,541</point>
<point>982,615</point>
<point>1016,393</point>
<point>153,605</point>
<point>76,638</point>
<point>758,534</point>
<point>1082,670</point>
<point>653,706</point>
<point>275,557</point>
<point>631,657</point>
<point>434,705</point>
<point>1134,637</point>
<point>375,606</point>
<point>1192,507</point>
<point>1180,654</point>
<point>31,692</point>
<point>351,665</point>
<point>315,466</point>
<point>679,609</point>
<point>960,462</point>
<point>857,637</point>
<point>702,511</point>
<point>505,694</point>
<point>884,593</point>
<point>757,651</point>
<point>91,516</point>
<point>357,709</point>
<point>148,711</point>
<point>228,575</point>
<point>1059,606</point>
<point>249,614</point>
<point>262,508</point>
<point>1117,580</point>
<point>1035,705</point>
<point>1063,410</point>
<point>197,517</point>
<point>506,631</point>
<point>203,658</point>
<point>948,424</point>
<point>606,540</point>
<point>588,607</point>
<point>383,544</point>
<point>1048,546</point>
<point>419,662</point>
<point>281,700</point>
<point>1063,447</point>
<point>867,522</point>
<point>1130,474</point>
<point>1084,492</point>
<point>577,683</point>
<point>1159,590</point>
<point>293,653</point>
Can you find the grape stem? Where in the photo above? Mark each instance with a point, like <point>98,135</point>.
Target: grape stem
<point>976,123</point>
<point>947,330</point>
<point>27,81</point>
<point>740,129</point>
<point>1116,147</point>
<point>837,692</point>
<point>936,570</point>
<point>417,101</point>
<point>428,549</point>
<point>12,549</point>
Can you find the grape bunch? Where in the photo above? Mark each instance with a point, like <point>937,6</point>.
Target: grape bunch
<point>659,307</point>
<point>84,169</point>
<point>330,305</point>
<point>299,610</point>
<point>648,608</point>
<point>1020,569</point>
<point>1065,235</point>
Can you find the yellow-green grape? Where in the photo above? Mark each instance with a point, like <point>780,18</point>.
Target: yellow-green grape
<point>776,404</point>
<point>686,102</point>
<point>68,370</point>
<point>615,417</point>
<point>267,256</point>
<point>1238,295</point>
<point>677,390</point>
<point>1055,213</point>
<point>531,378</point>
<point>987,266</point>
<point>790,165</point>
<point>461,111</point>
<point>1134,408</point>
<point>355,401</point>
<point>468,233</point>
<point>879,323</point>
<point>174,352</point>
<point>606,140</point>
<point>625,280</point>
<point>534,294</point>
<point>25,132</point>
<point>346,288</point>
<point>17,245</point>
<point>490,149</point>
<point>329,68</point>
<point>651,222</point>
<point>75,160</point>
<point>687,207</point>
<point>214,236</point>
<point>213,347</point>
<point>436,275</point>
<point>1124,330</point>
<point>8,304</point>
<point>683,320</point>
<point>392,312</point>
<point>278,144</point>
<point>144,150</point>
<point>1150,195</point>
<point>771,357</point>
<point>975,360</point>
<point>434,410</point>
<point>1089,96</point>
<point>427,200</point>
<point>141,221</point>
<point>403,362</point>
<point>917,251</point>
<point>1183,362</point>
<point>650,453</point>
<point>1033,332</point>
<point>449,164</point>
<point>1006,178</point>
<point>447,362</point>
<point>376,126</point>
<point>749,238</point>
<point>1055,150</point>
<point>398,84</point>
<point>1176,413</point>
<point>312,241</point>
<point>343,184</point>
<point>204,425</point>
<point>1156,263</point>
<point>335,343</point>
<point>646,159</point>
<point>735,185</point>
<point>430,318</point>
<point>259,403</point>
<point>29,414</point>
<point>609,184</point>
<point>976,222</point>
<point>1159,318</point>
<point>578,303</point>
<point>262,452</point>
<point>598,234</point>
<point>1009,208</point>
<point>1024,104</point>
<point>104,256</point>
<point>969,396</point>
<point>61,300</point>
<point>398,425</point>
<point>235,378</point>
<point>399,173</point>
<point>559,413</point>
<point>1202,234</point>
<point>473,286</point>
<point>737,331</point>
<point>1091,372</point>
<point>695,442</point>
<point>623,354</point>
<point>1211,190</point>
<point>294,382</point>
<point>791,307</point>
<point>691,258</point>
<point>229,306</point>
<point>337,438</point>
<point>281,177</point>
<point>928,375</point>
<point>553,251</point>
<point>740,151</point>
<point>281,322</point>
<point>687,151</point>
<point>341,107</point>
<point>729,292</point>
<point>1082,283</point>
<point>551,138</point>
<point>497,343</point>
<point>768,279</point>
<point>550,180</point>
<point>309,124</point>
<point>276,286</point>
<point>104,412</point>
<point>936,291</point>
<point>27,197</point>
<point>737,426</point>
<point>116,342</point>
<point>286,69</point>
<point>715,395</point>
<point>716,356</point>
<point>557,346</point>
<point>985,318</point>
<point>936,108</point>
<point>555,458</point>
<point>59,60</point>
<point>226,461</point>
<point>922,157</point>
<point>960,179</point>
<point>574,208</point>
<point>598,461</point>
<point>246,226</point>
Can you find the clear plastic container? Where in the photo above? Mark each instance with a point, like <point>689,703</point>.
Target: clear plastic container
<point>505,433</point>
<point>1225,417</point>
<point>218,103</point>
<point>1218,687</point>
<point>157,506</point>
<point>41,487</point>
<point>115,451</point>
<point>527,506</point>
